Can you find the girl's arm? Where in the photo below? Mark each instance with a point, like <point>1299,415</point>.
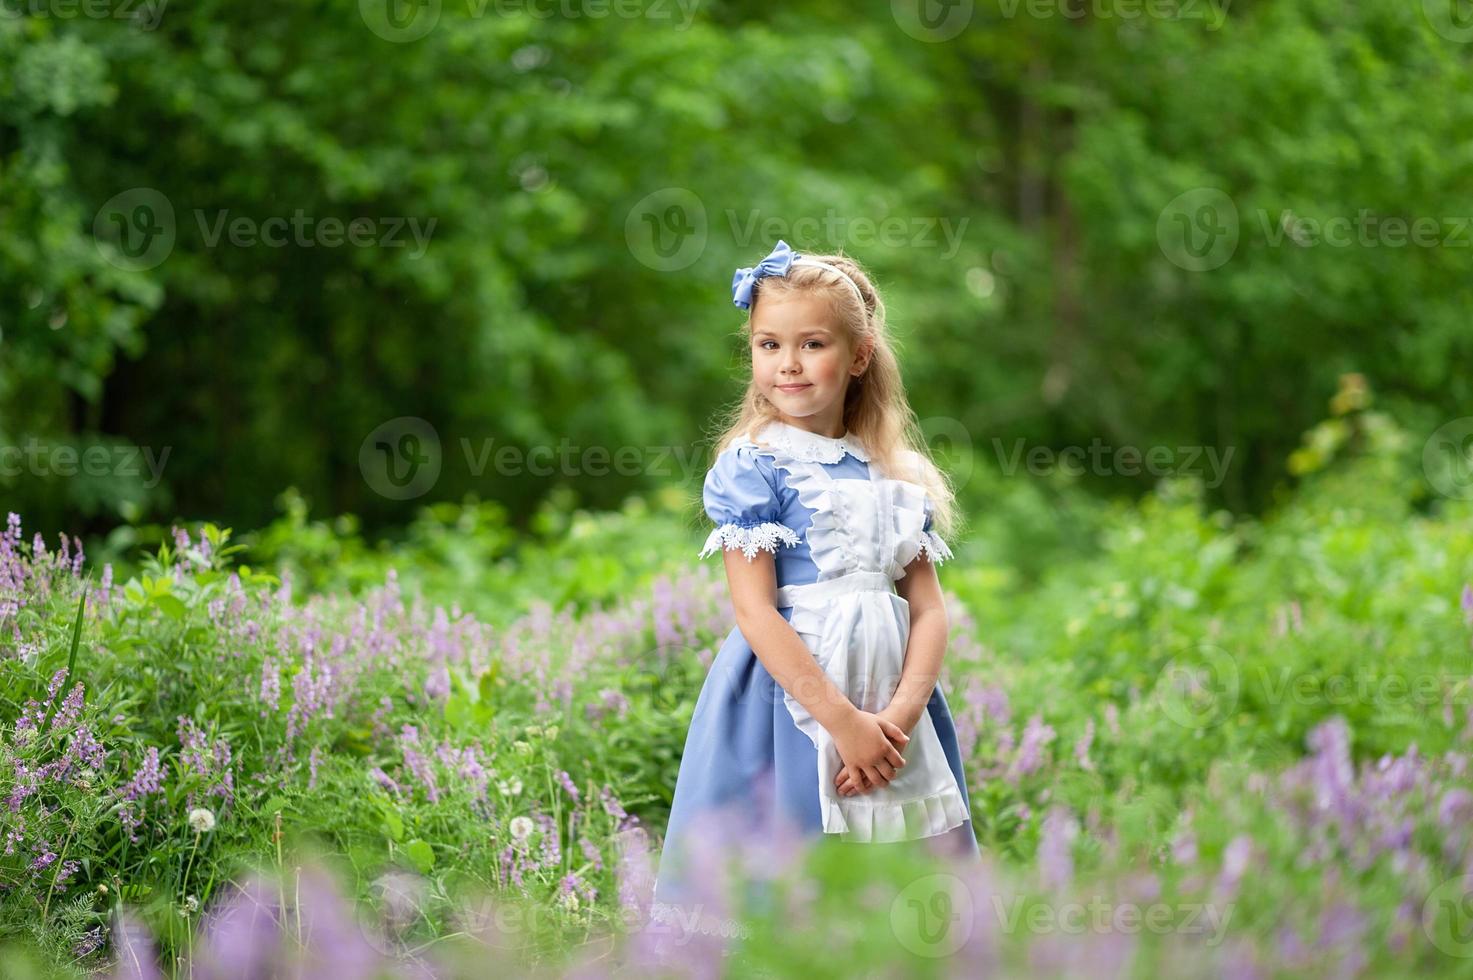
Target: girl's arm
<point>861,738</point>
<point>926,647</point>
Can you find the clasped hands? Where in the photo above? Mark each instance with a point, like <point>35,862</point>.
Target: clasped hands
<point>870,744</point>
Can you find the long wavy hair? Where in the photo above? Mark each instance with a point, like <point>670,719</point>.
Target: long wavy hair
<point>876,409</point>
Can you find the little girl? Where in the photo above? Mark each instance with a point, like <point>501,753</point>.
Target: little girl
<point>821,712</point>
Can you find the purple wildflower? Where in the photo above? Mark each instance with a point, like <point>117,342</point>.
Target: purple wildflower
<point>1081,747</point>
<point>90,943</point>
<point>614,809</point>
<point>610,700</point>
<point>147,780</point>
<point>134,951</point>
<point>241,933</point>
<point>1055,859</point>
<point>591,853</point>
<point>71,709</point>
<point>1340,929</point>
<point>1235,860</point>
<point>270,686</point>
<point>311,686</point>
<point>437,685</point>
<point>57,679</point>
<point>384,780</point>
<point>552,852</point>
<point>1455,808</point>
<point>1332,770</point>
<point>385,706</point>
<point>44,859</point>
<point>64,874</point>
<point>1036,735</point>
<point>634,870</point>
<point>571,885</point>
<point>416,762</point>
<point>83,752</point>
<point>511,869</point>
<point>1184,848</point>
<point>210,761</point>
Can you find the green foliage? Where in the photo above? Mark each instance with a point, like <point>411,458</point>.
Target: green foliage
<point>1220,639</point>
<point>1052,147</point>
<point>467,554</point>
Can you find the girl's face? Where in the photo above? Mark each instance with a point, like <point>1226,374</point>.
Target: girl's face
<point>800,361</point>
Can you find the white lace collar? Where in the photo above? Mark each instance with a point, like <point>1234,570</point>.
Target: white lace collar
<point>809,446</point>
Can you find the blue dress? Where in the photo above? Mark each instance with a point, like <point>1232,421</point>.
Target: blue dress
<point>755,761</point>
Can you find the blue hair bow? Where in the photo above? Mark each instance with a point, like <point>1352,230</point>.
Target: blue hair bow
<point>776,264</point>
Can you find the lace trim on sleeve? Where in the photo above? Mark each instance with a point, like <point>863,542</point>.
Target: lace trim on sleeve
<point>750,538</point>
<point>933,547</point>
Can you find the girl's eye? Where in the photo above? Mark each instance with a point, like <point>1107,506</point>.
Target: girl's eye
<point>763,344</point>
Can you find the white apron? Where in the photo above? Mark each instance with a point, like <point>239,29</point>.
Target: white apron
<point>864,533</point>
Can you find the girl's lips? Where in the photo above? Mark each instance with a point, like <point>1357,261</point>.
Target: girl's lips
<point>793,387</point>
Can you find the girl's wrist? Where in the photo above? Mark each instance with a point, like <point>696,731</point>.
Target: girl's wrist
<point>904,715</point>
<point>839,716</point>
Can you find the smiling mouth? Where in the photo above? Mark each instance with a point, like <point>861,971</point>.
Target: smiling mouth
<point>794,387</point>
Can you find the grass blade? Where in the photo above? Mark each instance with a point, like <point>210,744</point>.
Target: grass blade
<point>71,660</point>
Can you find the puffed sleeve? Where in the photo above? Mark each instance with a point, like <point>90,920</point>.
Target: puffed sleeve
<point>744,505</point>
<point>931,544</point>
<point>927,541</point>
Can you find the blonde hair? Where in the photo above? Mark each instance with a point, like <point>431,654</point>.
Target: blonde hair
<point>876,410</point>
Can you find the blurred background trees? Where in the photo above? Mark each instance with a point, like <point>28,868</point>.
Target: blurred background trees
<point>1087,227</point>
